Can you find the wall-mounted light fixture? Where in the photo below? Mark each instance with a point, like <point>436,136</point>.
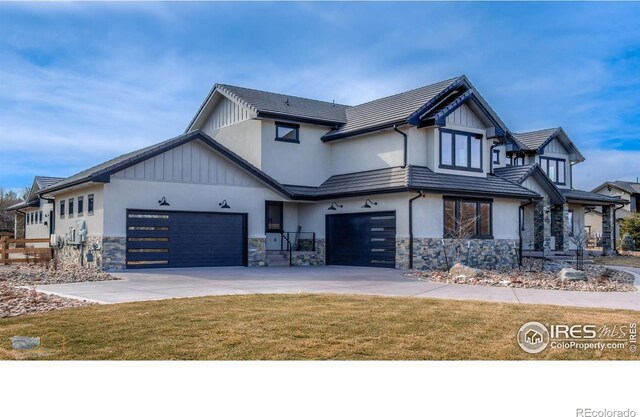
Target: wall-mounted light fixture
<point>224,204</point>
<point>163,202</point>
<point>334,205</point>
<point>367,203</point>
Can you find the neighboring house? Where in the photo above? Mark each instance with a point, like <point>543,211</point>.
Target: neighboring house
<point>629,191</point>
<point>403,181</point>
<point>34,217</point>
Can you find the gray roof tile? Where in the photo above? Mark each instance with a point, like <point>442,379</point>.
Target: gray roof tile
<point>627,186</point>
<point>287,105</point>
<point>515,173</point>
<point>588,196</point>
<point>533,140</point>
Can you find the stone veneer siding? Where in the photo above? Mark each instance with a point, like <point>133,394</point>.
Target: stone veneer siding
<point>104,253</point>
<point>607,229</point>
<point>430,253</point>
<point>559,218</point>
<point>257,251</point>
<point>542,225</point>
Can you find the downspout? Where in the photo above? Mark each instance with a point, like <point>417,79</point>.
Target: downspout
<point>520,227</point>
<point>411,200</point>
<point>395,127</point>
<point>615,238</point>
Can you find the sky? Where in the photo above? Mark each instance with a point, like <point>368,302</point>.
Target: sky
<point>81,83</point>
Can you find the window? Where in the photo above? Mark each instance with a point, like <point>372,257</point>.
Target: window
<point>90,203</point>
<point>273,216</point>
<point>40,217</point>
<point>61,208</point>
<point>33,217</point>
<point>286,132</point>
<point>460,150</point>
<point>26,218</point>
<point>570,222</point>
<point>71,207</point>
<point>80,205</point>
<point>554,168</point>
<point>467,219</point>
<point>496,156</point>
<point>515,160</point>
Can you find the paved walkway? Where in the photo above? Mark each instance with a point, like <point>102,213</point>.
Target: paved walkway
<point>194,282</point>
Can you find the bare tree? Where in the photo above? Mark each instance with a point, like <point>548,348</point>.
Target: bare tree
<point>459,230</point>
<point>7,199</point>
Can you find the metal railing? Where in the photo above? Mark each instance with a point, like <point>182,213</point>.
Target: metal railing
<point>298,241</point>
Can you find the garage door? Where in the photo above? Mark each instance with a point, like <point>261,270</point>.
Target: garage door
<point>173,239</point>
<point>362,239</point>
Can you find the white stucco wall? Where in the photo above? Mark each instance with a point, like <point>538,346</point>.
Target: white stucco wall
<point>367,152</point>
<point>38,229</point>
<point>242,138</point>
<point>304,163</point>
<point>94,222</point>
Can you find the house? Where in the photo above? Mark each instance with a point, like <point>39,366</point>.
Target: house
<point>34,216</point>
<point>627,190</point>
<point>412,180</point>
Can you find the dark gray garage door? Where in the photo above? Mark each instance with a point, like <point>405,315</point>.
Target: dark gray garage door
<point>172,239</point>
<point>362,239</point>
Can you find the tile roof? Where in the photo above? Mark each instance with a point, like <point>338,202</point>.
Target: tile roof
<point>388,110</point>
<point>627,186</point>
<point>287,105</point>
<point>590,197</point>
<point>44,182</point>
<point>534,140</point>
<point>410,178</point>
<point>515,173</point>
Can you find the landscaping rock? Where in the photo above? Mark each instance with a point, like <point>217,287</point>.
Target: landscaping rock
<point>570,274</point>
<point>459,270</point>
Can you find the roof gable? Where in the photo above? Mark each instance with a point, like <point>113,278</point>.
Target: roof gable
<point>626,186</point>
<point>521,173</point>
<point>537,140</point>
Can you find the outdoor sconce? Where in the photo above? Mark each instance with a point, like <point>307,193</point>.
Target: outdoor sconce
<point>163,202</point>
<point>334,205</point>
<point>224,204</point>
<point>367,203</point>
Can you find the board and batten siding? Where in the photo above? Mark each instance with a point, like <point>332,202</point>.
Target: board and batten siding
<point>464,116</point>
<point>226,113</point>
<point>555,147</point>
<point>194,162</point>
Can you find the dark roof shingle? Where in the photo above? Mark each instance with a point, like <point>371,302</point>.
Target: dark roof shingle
<point>589,197</point>
<point>533,140</point>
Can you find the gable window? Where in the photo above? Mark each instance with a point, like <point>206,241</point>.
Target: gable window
<point>80,205</point>
<point>467,219</point>
<point>286,132</point>
<point>61,208</point>
<point>496,157</point>
<point>71,207</point>
<point>273,216</point>
<point>554,168</point>
<point>460,150</point>
<point>90,203</point>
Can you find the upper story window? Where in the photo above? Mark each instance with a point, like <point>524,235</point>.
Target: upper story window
<point>467,219</point>
<point>515,160</point>
<point>71,207</point>
<point>286,132</point>
<point>496,157</point>
<point>62,208</point>
<point>90,203</point>
<point>80,205</point>
<point>554,168</point>
<point>460,150</point>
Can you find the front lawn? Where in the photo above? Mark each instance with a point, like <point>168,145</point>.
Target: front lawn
<point>632,261</point>
<point>298,327</point>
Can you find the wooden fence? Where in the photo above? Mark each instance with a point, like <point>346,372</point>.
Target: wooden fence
<point>19,251</point>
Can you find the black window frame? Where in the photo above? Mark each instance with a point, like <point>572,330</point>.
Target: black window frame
<point>477,201</point>
<point>62,208</point>
<point>81,205</point>
<point>295,127</point>
<point>495,157</point>
<point>280,205</point>
<point>545,168</point>
<point>571,224</point>
<point>469,136</point>
<point>40,217</point>
<point>70,208</point>
<point>26,218</point>
<point>90,202</point>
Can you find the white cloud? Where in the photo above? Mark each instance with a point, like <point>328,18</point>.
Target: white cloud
<point>606,165</point>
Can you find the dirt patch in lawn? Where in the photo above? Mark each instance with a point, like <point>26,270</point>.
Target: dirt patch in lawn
<point>300,326</point>
<point>599,279</point>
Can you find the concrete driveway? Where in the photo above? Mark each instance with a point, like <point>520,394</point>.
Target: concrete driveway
<point>195,282</point>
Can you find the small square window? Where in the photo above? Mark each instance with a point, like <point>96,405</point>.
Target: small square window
<point>80,205</point>
<point>286,132</point>
<point>90,203</point>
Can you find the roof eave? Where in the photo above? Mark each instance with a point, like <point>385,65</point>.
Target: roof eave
<point>389,125</point>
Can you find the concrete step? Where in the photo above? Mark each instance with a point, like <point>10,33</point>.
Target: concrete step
<point>277,258</point>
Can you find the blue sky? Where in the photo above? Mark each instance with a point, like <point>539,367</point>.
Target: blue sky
<point>83,82</point>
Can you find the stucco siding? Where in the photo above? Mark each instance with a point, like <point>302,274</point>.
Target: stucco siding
<point>242,138</point>
<point>94,222</point>
<point>374,151</point>
<point>305,163</point>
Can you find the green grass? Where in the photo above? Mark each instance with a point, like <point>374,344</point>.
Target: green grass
<point>297,327</point>
<point>633,261</point>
